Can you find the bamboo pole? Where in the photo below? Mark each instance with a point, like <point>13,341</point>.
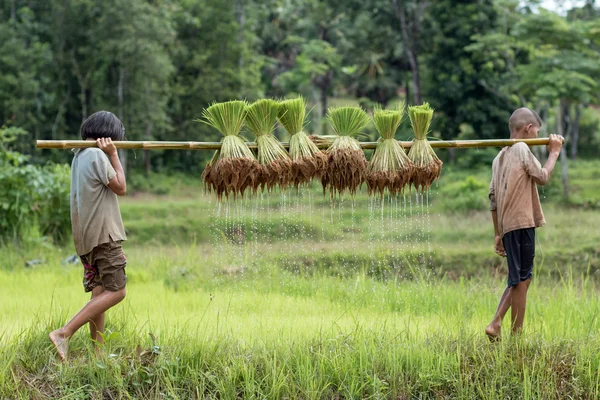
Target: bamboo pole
<point>322,143</point>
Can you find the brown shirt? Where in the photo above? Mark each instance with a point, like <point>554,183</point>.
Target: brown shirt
<point>513,191</point>
<point>95,213</point>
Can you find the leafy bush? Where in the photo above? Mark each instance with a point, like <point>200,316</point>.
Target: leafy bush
<point>34,200</point>
<point>155,184</point>
<point>469,194</point>
<point>589,133</point>
<point>475,159</point>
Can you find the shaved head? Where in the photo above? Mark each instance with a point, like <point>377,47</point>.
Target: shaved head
<point>523,117</point>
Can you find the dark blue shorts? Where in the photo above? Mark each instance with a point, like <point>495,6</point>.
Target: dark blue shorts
<point>520,251</point>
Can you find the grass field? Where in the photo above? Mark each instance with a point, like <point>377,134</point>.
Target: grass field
<point>297,299</point>
<point>274,334</point>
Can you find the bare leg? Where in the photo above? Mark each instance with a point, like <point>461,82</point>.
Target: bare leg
<point>518,305</point>
<point>97,323</point>
<point>94,308</point>
<point>493,330</point>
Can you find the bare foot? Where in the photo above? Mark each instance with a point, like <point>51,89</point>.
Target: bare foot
<point>61,343</point>
<point>493,332</point>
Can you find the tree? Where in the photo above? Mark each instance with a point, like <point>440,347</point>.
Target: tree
<point>309,56</point>
<point>563,66</point>
<point>457,78</point>
<point>374,60</point>
<point>26,92</point>
<point>410,15</point>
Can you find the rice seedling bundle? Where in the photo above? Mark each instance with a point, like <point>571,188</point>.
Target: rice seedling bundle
<point>275,162</point>
<point>389,168</point>
<point>346,162</point>
<point>427,164</point>
<point>233,168</point>
<point>308,161</point>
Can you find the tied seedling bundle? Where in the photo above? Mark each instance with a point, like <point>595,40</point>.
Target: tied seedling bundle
<point>427,164</point>
<point>275,162</point>
<point>233,168</point>
<point>389,168</point>
<point>308,161</point>
<point>346,162</point>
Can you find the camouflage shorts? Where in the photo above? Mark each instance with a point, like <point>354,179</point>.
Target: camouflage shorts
<point>104,265</point>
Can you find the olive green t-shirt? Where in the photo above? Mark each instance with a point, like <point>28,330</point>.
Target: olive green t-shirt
<point>95,213</point>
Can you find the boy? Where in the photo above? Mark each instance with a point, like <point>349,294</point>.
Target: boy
<point>97,178</point>
<point>516,212</point>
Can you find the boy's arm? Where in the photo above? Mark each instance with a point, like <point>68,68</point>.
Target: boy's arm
<point>541,176</point>
<point>117,184</point>
<point>498,245</point>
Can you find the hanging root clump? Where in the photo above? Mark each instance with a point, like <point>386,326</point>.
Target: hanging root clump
<point>308,161</point>
<point>389,168</point>
<point>275,162</point>
<point>346,162</point>
<point>233,168</point>
<point>427,164</point>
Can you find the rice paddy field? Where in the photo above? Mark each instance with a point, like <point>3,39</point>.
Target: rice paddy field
<point>289,296</point>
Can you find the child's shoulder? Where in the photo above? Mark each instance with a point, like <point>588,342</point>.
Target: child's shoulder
<point>90,153</point>
<point>521,146</point>
<point>90,158</point>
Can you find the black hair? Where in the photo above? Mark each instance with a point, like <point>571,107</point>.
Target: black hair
<point>102,124</point>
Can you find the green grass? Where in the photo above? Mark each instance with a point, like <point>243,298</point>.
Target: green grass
<point>298,299</point>
<point>269,333</point>
<point>343,238</point>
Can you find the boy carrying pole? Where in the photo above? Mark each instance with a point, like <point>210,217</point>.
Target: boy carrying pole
<point>516,212</point>
<point>97,178</point>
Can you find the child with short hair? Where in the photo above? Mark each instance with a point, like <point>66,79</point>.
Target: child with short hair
<point>516,212</point>
<point>97,177</point>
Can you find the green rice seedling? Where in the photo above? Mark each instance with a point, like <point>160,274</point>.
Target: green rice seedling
<point>427,164</point>
<point>275,162</point>
<point>308,161</point>
<point>233,168</point>
<point>346,165</point>
<point>389,168</point>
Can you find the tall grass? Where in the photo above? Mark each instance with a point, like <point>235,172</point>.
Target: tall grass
<point>320,309</point>
<point>273,334</point>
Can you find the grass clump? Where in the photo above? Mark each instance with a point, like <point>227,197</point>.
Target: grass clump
<point>389,168</point>
<point>347,165</point>
<point>275,162</point>
<point>233,168</point>
<point>427,164</point>
<point>308,161</point>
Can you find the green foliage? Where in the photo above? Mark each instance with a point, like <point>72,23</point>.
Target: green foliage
<point>457,81</point>
<point>306,317</point>
<point>33,199</point>
<point>374,63</point>
<point>315,61</point>
<point>155,64</point>
<point>589,133</point>
<point>562,63</point>
<point>151,184</point>
<point>470,194</point>
<point>27,90</point>
<point>475,159</point>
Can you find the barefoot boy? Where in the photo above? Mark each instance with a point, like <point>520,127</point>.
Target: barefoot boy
<point>97,178</point>
<point>516,212</point>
